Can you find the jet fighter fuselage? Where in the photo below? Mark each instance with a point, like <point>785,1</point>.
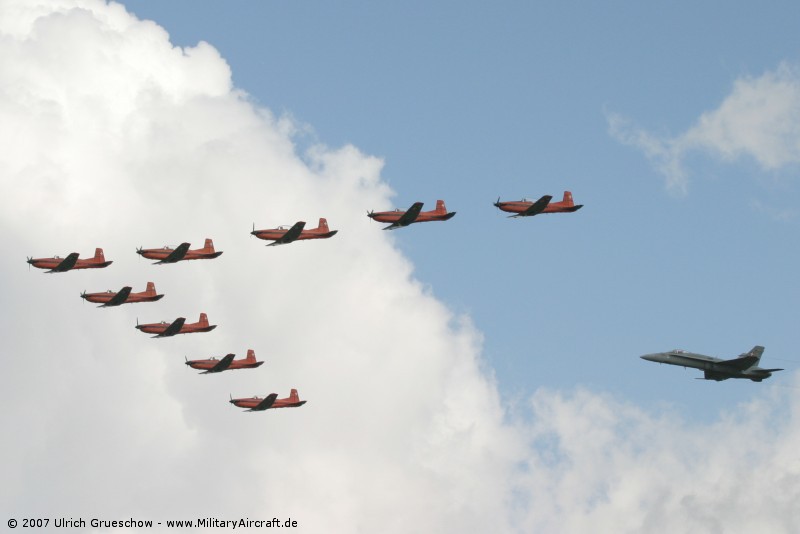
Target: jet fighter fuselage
<point>744,366</point>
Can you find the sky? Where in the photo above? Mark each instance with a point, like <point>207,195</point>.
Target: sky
<point>477,374</point>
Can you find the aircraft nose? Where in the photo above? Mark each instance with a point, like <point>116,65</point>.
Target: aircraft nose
<point>651,357</point>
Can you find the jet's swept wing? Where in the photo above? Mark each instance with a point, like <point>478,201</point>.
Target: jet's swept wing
<point>66,264</point>
<point>176,255</point>
<point>221,365</point>
<point>745,361</point>
<point>119,298</point>
<point>264,404</point>
<point>174,328</point>
<point>290,235</point>
<point>535,208</point>
<point>407,218</point>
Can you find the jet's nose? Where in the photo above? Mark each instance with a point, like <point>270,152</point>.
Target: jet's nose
<point>651,357</point>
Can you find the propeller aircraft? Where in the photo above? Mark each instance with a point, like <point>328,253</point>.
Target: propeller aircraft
<point>71,262</point>
<point>110,298</point>
<point>529,208</point>
<point>168,254</point>
<point>283,235</point>
<point>399,218</point>
<point>213,365</point>
<point>257,404</point>
<point>178,326</point>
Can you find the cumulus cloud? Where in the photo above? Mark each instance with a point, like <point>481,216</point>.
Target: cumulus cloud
<point>113,137</point>
<point>760,119</point>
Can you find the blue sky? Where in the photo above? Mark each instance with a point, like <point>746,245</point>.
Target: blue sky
<point>481,374</point>
<point>468,101</point>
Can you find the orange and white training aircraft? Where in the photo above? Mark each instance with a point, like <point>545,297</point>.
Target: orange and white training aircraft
<point>257,404</point>
<point>528,208</point>
<point>178,326</point>
<point>213,365</point>
<point>283,235</point>
<point>414,214</point>
<point>71,262</point>
<point>123,296</point>
<point>168,254</point>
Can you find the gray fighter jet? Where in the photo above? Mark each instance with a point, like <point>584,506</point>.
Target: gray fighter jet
<point>745,366</point>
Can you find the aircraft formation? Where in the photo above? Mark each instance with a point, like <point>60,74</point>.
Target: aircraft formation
<point>167,255</point>
<point>744,366</point>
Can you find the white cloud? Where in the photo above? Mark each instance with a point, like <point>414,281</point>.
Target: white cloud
<point>112,137</point>
<point>760,119</point>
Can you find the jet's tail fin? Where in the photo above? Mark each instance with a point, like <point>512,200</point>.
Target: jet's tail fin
<point>293,396</point>
<point>203,320</point>
<point>568,199</point>
<point>251,356</point>
<point>151,289</point>
<point>209,246</point>
<point>440,207</point>
<point>98,255</point>
<point>323,225</point>
<point>755,352</point>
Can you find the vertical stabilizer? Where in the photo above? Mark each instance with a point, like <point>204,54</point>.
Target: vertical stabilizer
<point>756,351</point>
<point>568,198</point>
<point>323,225</point>
<point>203,320</point>
<point>209,246</point>
<point>251,356</point>
<point>440,207</point>
<point>151,289</point>
<point>98,254</point>
<point>293,396</point>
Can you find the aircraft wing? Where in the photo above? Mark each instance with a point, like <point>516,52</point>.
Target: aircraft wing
<point>536,208</point>
<point>266,403</point>
<point>66,264</point>
<point>173,329</point>
<point>407,218</point>
<point>742,363</point>
<point>176,255</point>
<point>290,235</point>
<point>119,298</point>
<point>223,364</point>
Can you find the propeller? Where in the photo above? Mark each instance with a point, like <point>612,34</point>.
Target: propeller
<point>371,213</point>
<point>140,250</point>
<point>497,204</point>
<point>30,262</point>
<point>254,229</point>
<point>83,295</point>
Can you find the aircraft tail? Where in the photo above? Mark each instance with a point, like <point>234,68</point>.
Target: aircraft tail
<point>323,225</point>
<point>293,396</point>
<point>568,199</point>
<point>251,356</point>
<point>440,207</point>
<point>209,246</point>
<point>756,352</point>
<point>98,255</point>
<point>151,289</point>
<point>203,320</point>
